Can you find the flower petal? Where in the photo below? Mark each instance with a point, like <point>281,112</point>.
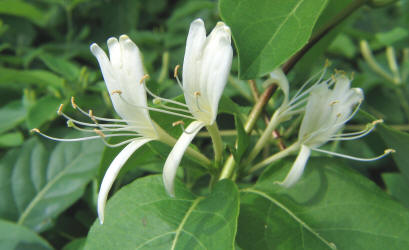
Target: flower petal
<point>113,171</point>
<point>175,156</point>
<point>280,78</point>
<point>298,167</point>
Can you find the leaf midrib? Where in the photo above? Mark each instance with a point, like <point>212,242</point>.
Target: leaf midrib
<point>291,214</point>
<point>275,33</point>
<point>44,190</point>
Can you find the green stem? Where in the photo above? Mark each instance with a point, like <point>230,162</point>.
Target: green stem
<point>370,59</point>
<point>171,141</point>
<point>217,142</point>
<point>165,67</point>
<point>265,137</point>
<point>275,157</point>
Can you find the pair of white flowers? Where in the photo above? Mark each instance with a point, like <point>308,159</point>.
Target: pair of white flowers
<point>206,67</point>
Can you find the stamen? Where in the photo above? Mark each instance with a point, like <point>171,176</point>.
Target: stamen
<point>176,123</point>
<point>117,91</point>
<point>333,103</point>
<point>59,111</point>
<point>161,98</point>
<point>356,135</point>
<point>197,95</point>
<point>385,153</point>
<point>144,78</point>
<point>175,72</point>
<point>73,104</point>
<point>158,110</point>
<point>99,132</point>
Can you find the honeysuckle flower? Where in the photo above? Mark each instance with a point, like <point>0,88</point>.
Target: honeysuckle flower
<point>123,74</point>
<point>326,113</point>
<point>206,67</point>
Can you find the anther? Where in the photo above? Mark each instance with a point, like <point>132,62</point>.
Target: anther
<point>144,78</point>
<point>178,123</point>
<point>59,112</point>
<point>197,93</point>
<point>99,132</point>
<point>389,150</point>
<point>377,121</point>
<point>91,115</point>
<point>35,130</point>
<point>156,101</point>
<point>333,103</point>
<point>339,115</point>
<point>327,63</point>
<point>70,124</point>
<point>116,92</point>
<point>175,72</point>
<point>73,104</point>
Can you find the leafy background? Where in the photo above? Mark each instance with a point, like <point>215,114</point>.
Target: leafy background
<point>48,190</point>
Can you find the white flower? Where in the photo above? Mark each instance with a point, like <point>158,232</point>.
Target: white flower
<point>326,113</point>
<point>206,67</point>
<point>122,73</point>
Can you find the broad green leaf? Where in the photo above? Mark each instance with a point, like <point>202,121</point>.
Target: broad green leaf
<point>13,236</point>
<point>398,186</point>
<point>45,109</point>
<point>38,183</point>
<point>11,115</point>
<point>37,77</point>
<point>331,206</point>
<point>11,139</point>
<point>24,9</point>
<point>268,32</point>
<point>142,216</point>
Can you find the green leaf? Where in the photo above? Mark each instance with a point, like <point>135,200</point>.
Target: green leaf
<point>330,206</point>
<point>11,115</point>
<point>14,236</point>
<point>45,109</point>
<point>37,183</point>
<point>11,139</point>
<point>24,9</point>
<point>399,141</point>
<point>61,66</point>
<point>37,77</point>
<point>142,216</point>
<point>267,33</point>
<point>398,186</point>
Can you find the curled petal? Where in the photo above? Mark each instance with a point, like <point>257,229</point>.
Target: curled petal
<point>113,171</point>
<point>278,76</point>
<point>297,169</point>
<point>175,156</point>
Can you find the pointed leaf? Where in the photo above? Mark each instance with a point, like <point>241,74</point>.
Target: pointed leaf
<point>267,33</point>
<point>330,206</point>
<point>143,216</point>
<point>13,236</point>
<point>37,183</point>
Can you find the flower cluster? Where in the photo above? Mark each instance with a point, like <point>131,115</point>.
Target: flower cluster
<point>327,105</point>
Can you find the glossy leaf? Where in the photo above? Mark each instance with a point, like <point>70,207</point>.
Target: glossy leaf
<point>37,183</point>
<point>13,236</point>
<point>331,206</point>
<point>268,32</point>
<point>142,216</point>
